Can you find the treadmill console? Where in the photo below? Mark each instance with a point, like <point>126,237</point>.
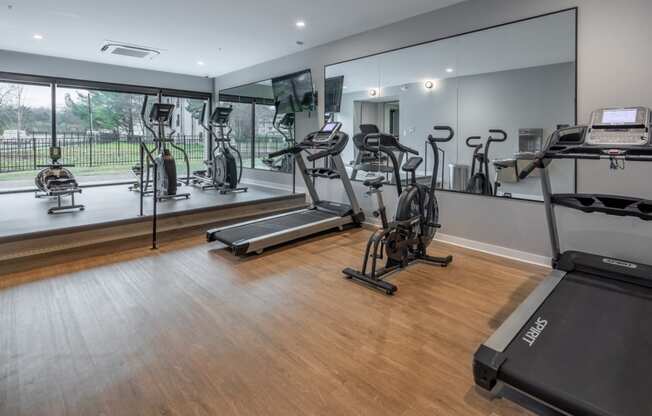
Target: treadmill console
<point>327,133</point>
<point>619,127</point>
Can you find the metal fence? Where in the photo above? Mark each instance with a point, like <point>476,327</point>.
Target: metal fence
<point>88,151</point>
<point>83,150</point>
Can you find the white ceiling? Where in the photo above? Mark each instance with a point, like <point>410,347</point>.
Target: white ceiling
<point>543,41</point>
<point>226,35</point>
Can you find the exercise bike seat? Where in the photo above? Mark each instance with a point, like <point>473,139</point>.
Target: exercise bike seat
<point>412,164</point>
<point>375,183</point>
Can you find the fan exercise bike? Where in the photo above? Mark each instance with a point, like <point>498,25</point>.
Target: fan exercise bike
<point>405,240</point>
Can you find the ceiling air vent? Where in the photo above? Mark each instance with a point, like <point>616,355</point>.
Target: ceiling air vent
<point>132,51</point>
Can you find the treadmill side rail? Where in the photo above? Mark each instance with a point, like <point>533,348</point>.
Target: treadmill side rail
<point>513,325</point>
<point>257,244</point>
<point>210,234</point>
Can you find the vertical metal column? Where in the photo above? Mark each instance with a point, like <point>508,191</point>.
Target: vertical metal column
<point>546,190</point>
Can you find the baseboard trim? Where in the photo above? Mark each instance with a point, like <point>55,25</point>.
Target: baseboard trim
<point>509,253</point>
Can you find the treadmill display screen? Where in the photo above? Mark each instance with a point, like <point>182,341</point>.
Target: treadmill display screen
<point>623,116</point>
<point>329,127</point>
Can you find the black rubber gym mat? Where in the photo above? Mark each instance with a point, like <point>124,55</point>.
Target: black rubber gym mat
<point>593,355</point>
<point>262,228</point>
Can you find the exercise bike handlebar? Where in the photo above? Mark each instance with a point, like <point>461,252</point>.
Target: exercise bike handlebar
<point>499,139</point>
<point>448,138</point>
<point>471,145</point>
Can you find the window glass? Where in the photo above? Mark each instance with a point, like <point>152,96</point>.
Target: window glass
<point>25,132</point>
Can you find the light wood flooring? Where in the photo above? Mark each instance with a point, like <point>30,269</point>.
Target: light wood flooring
<point>189,330</point>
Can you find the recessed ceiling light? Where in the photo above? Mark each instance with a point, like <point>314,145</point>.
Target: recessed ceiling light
<point>430,85</point>
<point>373,92</point>
<point>37,36</point>
<point>301,24</point>
<point>200,63</point>
<point>449,70</point>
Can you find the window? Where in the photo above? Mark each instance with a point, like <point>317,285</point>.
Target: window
<point>99,132</point>
<point>189,134</point>
<point>242,134</point>
<point>25,132</point>
<point>253,125</point>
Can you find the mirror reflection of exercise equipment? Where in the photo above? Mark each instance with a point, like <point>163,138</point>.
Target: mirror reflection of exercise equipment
<point>224,168</point>
<point>56,181</point>
<point>285,127</point>
<point>159,159</point>
<point>377,163</point>
<point>479,183</point>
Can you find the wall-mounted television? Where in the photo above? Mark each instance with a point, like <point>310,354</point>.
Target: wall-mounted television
<point>333,94</point>
<point>294,93</point>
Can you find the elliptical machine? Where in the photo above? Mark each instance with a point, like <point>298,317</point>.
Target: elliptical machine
<point>166,184</point>
<point>224,169</point>
<point>405,240</point>
<point>285,127</point>
<point>56,181</point>
<point>479,183</point>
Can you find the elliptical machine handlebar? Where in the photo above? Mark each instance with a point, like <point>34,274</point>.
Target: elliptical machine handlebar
<point>450,136</point>
<point>143,111</point>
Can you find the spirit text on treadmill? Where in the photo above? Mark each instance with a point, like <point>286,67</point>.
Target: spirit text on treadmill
<point>620,263</point>
<point>535,331</point>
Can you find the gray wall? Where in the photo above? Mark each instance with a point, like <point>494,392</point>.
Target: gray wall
<point>608,75</point>
<point>24,63</point>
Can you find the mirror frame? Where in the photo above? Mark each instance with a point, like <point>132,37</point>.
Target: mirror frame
<point>575,10</point>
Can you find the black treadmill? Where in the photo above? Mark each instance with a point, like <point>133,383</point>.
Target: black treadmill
<point>254,236</point>
<point>581,343</point>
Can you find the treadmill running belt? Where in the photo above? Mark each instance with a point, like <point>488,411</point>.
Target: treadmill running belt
<point>270,226</point>
<point>595,353</point>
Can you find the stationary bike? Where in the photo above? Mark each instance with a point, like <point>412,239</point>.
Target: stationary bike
<point>479,183</point>
<point>405,240</point>
<point>224,169</point>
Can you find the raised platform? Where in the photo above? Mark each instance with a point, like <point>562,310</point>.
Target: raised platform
<point>112,215</point>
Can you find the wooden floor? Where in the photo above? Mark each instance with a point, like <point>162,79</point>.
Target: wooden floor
<point>190,331</point>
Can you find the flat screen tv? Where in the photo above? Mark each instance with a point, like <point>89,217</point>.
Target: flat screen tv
<point>333,94</point>
<point>294,93</point>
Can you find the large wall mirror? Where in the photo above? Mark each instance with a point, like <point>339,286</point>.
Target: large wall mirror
<point>519,78</point>
<point>257,129</point>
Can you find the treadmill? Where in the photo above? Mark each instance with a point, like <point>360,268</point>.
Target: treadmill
<point>325,145</point>
<point>581,343</point>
